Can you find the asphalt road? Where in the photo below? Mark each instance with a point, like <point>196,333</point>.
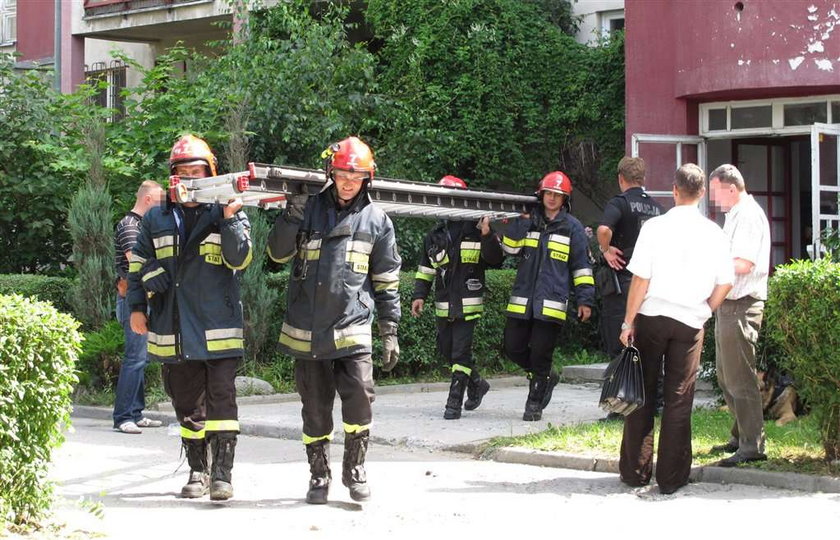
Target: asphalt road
<point>122,486</point>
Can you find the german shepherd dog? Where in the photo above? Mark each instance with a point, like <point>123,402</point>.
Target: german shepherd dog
<point>779,398</point>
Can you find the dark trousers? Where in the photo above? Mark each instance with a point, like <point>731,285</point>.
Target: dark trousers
<point>530,344</point>
<point>454,341</point>
<point>681,346</point>
<point>204,395</point>
<point>317,382</point>
<point>613,307</point>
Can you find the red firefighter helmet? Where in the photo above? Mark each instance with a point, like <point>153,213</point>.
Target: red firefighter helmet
<point>190,150</point>
<point>452,181</point>
<point>350,154</point>
<point>557,182</point>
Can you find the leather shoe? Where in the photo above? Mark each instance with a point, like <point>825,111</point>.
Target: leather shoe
<point>729,448</point>
<point>737,459</point>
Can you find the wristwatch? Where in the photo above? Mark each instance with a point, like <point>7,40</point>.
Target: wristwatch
<point>626,326</point>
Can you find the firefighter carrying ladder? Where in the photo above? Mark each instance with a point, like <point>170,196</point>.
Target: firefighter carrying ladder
<point>266,186</point>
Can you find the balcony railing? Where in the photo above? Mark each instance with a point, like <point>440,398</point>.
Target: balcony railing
<point>119,7</point>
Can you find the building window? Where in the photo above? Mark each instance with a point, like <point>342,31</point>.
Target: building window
<point>803,114</point>
<point>611,21</point>
<point>109,82</point>
<point>783,116</point>
<point>752,117</point>
<point>8,22</point>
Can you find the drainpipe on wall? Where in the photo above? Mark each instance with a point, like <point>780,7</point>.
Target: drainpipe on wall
<point>57,46</point>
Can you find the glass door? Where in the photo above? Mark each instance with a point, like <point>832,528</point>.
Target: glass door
<point>825,184</point>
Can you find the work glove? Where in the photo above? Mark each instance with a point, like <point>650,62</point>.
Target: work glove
<point>154,277</point>
<point>295,204</point>
<point>390,345</point>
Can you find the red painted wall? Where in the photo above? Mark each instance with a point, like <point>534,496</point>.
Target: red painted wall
<point>35,30</point>
<point>680,53</point>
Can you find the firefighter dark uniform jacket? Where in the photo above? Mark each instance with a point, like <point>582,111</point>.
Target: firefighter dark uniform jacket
<point>344,263</point>
<point>199,317</point>
<point>554,257</point>
<point>454,258</point>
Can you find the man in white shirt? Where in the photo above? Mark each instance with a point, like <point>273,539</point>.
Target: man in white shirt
<point>738,320</point>
<point>682,272</point>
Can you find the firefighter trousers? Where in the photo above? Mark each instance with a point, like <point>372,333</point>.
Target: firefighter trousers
<point>203,395</point>
<point>454,342</point>
<point>530,344</point>
<point>318,381</point>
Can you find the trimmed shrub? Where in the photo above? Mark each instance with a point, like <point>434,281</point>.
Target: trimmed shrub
<point>44,288</point>
<point>803,317</point>
<point>38,350</point>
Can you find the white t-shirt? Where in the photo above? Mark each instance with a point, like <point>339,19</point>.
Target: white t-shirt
<point>749,237</point>
<point>684,255</point>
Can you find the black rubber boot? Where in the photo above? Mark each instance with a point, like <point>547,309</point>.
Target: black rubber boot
<point>353,473</point>
<point>318,454</point>
<point>456,395</point>
<point>550,383</point>
<point>199,482</point>
<point>533,405</point>
<point>223,448</point>
<point>476,389</point>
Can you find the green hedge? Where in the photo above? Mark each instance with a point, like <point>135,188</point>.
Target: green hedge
<point>418,355</point>
<point>45,288</point>
<point>38,351</point>
<point>803,317</point>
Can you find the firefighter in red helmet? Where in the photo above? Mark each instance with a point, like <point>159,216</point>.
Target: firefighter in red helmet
<point>454,257</point>
<point>184,272</point>
<point>345,265</point>
<point>554,259</point>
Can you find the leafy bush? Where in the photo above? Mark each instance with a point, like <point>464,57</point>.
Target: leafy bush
<point>418,353</point>
<point>38,350</point>
<point>804,319</point>
<point>44,288</point>
<point>101,356</point>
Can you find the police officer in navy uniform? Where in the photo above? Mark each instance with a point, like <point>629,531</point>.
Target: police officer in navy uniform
<point>617,232</point>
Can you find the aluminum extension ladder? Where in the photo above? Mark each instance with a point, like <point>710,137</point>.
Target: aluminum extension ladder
<point>266,186</point>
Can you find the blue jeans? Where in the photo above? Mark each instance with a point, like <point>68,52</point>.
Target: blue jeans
<point>130,397</point>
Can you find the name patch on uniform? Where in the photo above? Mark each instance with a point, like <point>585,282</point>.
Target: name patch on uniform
<point>360,267</point>
<point>560,256</point>
<point>211,258</point>
<point>469,256</point>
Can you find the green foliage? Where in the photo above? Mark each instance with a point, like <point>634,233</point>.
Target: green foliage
<point>803,316</point>
<point>101,356</point>
<point>38,350</point>
<point>92,231</point>
<point>44,288</point>
<point>494,92</point>
<point>39,170</point>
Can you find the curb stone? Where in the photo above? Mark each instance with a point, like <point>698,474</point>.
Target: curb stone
<point>707,473</point>
<point>411,388</point>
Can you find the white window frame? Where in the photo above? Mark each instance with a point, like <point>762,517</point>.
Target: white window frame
<point>821,221</point>
<point>605,17</point>
<point>776,128</point>
<point>8,22</point>
<point>678,141</point>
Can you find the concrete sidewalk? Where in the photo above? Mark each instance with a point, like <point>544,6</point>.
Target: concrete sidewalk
<point>411,416</point>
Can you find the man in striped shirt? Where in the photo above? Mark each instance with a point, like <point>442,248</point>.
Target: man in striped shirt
<point>130,399</point>
<point>738,320</point>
